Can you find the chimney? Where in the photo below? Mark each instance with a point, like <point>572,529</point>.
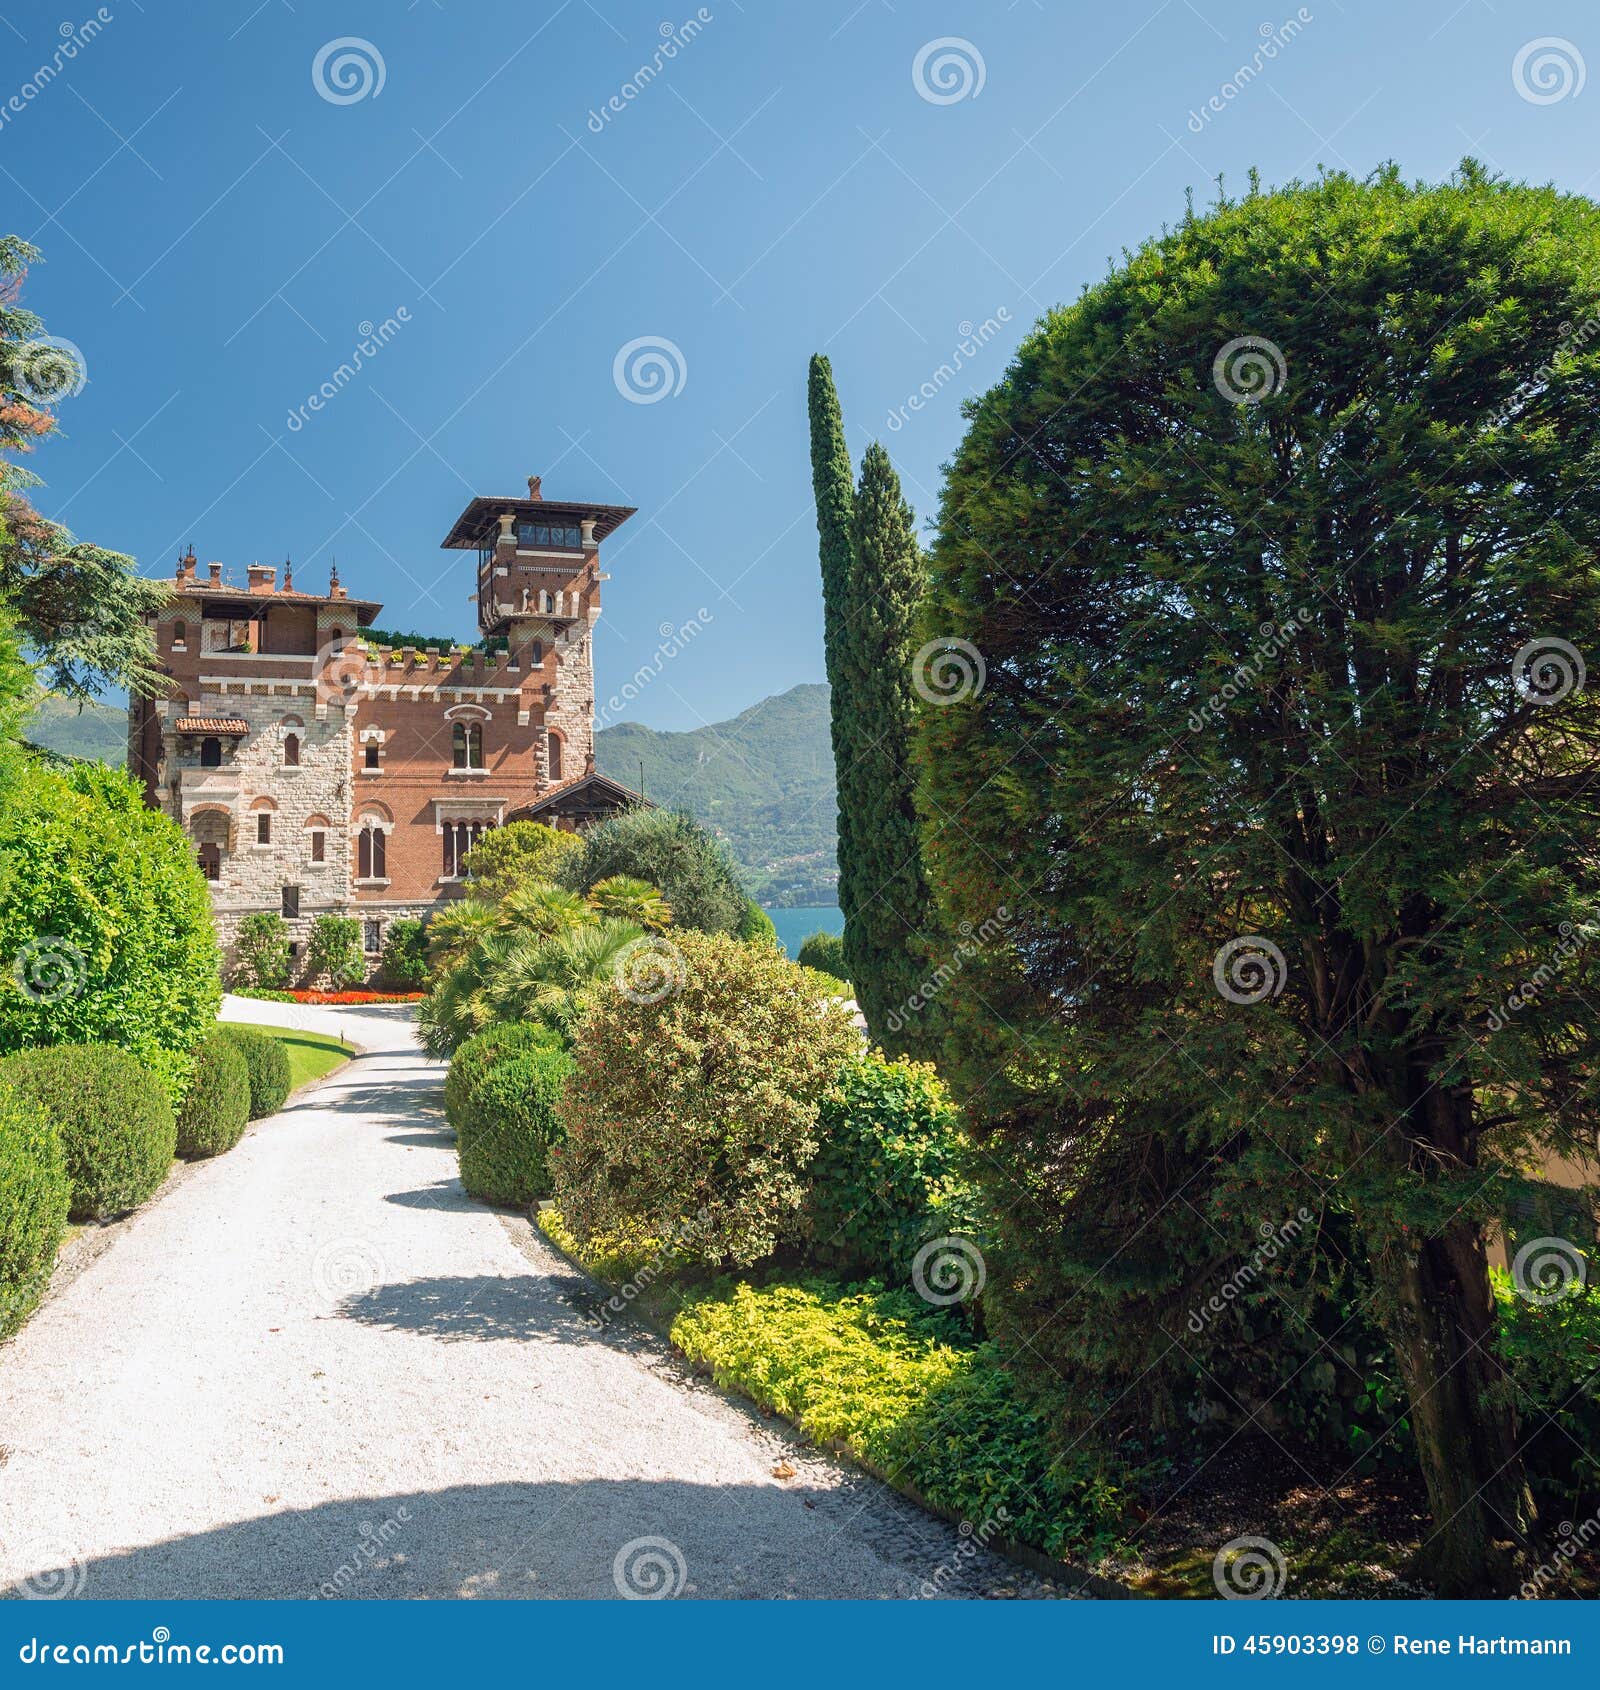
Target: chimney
<point>185,571</point>
<point>533,487</point>
<point>263,577</point>
<point>335,591</point>
<point>288,576</point>
<point>216,574</point>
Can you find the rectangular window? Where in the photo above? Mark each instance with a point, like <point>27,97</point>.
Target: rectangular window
<point>319,846</point>
<point>263,827</point>
<point>291,903</point>
<point>372,938</point>
<point>372,756</point>
<point>548,534</point>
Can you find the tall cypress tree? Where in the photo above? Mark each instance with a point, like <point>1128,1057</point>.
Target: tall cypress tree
<point>873,577</point>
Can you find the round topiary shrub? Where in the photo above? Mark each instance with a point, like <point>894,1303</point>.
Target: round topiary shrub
<point>35,1194</point>
<point>509,1124</point>
<point>888,1175</point>
<point>825,953</point>
<point>116,1126</point>
<point>217,1109</point>
<point>268,1065</point>
<point>482,1051</point>
<point>696,1092</point>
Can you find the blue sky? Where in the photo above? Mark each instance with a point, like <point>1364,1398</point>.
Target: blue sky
<point>217,232</point>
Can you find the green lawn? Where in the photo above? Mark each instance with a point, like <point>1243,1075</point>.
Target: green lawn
<point>310,1054</point>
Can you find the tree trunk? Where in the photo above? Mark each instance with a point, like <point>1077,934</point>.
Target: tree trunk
<point>1438,1313</point>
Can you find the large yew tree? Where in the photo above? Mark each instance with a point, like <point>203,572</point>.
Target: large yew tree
<point>1280,547</point>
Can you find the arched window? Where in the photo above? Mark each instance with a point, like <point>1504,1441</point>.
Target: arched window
<point>538,654</point>
<point>459,838</point>
<point>210,752</point>
<point>291,751</point>
<point>466,743</point>
<point>180,635</point>
<point>371,853</point>
<point>555,756</point>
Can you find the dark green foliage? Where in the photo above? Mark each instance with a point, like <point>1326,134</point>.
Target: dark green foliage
<point>333,952</point>
<point>477,1055</point>
<point>35,1192</point>
<point>405,956</point>
<point>763,781</point>
<point>114,1121</point>
<point>873,579</point>
<point>105,919</point>
<point>755,926</point>
<point>268,1065</point>
<point>261,952</point>
<point>824,951</point>
<point>1254,675</point>
<point>672,852</point>
<point>888,1176</point>
<point>508,1124</point>
<point>214,1115</point>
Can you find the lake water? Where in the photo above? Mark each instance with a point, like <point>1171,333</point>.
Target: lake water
<point>795,925</point>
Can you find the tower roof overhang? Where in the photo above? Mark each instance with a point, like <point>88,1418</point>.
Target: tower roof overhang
<point>480,521</point>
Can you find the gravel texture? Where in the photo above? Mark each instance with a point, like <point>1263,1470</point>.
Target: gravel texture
<point>314,1367</point>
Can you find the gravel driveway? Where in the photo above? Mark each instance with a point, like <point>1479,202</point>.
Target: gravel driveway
<point>314,1367</point>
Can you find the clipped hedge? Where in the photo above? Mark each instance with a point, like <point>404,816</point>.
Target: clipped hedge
<point>268,1065</point>
<point>217,1108</point>
<point>479,1054</point>
<point>405,956</point>
<point>509,1124</point>
<point>35,1194</point>
<point>887,1177</point>
<point>115,1124</point>
<point>825,953</point>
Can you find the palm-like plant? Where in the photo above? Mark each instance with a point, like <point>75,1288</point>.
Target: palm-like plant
<point>553,979</point>
<point>624,898</point>
<point>543,909</point>
<point>456,930</point>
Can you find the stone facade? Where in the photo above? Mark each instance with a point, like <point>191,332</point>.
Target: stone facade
<point>373,768</point>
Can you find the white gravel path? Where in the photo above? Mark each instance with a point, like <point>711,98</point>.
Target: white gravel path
<point>314,1366</point>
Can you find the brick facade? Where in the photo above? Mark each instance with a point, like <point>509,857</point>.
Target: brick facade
<point>276,705</point>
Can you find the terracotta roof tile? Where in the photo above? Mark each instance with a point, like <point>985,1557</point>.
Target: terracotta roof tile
<point>212,725</point>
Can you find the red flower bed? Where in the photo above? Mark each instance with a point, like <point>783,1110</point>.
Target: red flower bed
<point>303,996</point>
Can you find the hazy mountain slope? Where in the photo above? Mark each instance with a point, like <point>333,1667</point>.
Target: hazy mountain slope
<point>99,732</point>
